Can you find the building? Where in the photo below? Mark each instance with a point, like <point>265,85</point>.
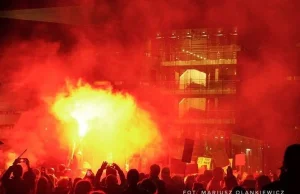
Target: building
<point>9,114</point>
<point>200,67</point>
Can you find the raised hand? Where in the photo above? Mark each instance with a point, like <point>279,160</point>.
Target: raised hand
<point>115,166</point>
<point>27,162</point>
<point>43,171</point>
<point>17,161</point>
<point>104,165</point>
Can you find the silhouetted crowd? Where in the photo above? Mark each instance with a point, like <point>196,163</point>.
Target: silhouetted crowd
<point>159,181</point>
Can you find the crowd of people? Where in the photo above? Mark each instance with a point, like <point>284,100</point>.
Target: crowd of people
<point>157,181</point>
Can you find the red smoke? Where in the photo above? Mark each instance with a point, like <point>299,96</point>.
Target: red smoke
<point>40,56</point>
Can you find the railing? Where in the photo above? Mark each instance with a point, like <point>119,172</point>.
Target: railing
<point>10,112</point>
<point>8,118</point>
<point>10,126</point>
<point>200,87</point>
<point>206,121</point>
<point>200,62</point>
<point>208,117</point>
<point>211,114</point>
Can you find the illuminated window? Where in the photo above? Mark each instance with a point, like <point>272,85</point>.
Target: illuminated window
<point>234,55</point>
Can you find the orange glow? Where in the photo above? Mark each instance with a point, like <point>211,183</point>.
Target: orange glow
<point>11,156</point>
<point>103,125</point>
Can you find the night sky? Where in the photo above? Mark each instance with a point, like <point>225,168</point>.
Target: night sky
<point>260,22</point>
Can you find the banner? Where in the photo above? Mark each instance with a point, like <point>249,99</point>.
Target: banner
<point>204,162</point>
<point>177,166</point>
<point>191,169</point>
<point>188,150</point>
<point>220,158</point>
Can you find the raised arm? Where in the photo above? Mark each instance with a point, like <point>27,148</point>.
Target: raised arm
<point>6,176</point>
<point>99,173</point>
<point>121,174</point>
<point>29,177</point>
<point>44,174</point>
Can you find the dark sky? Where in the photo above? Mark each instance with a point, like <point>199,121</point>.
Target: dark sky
<point>258,21</point>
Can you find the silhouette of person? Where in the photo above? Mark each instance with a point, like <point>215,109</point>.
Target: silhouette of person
<point>62,186</point>
<point>17,185</point>
<point>154,176</point>
<point>238,190</point>
<point>230,180</point>
<point>111,185</point>
<point>132,180</point>
<point>215,182</point>
<point>43,186</point>
<point>83,187</point>
<point>171,187</point>
<point>110,170</point>
<point>262,181</point>
<point>148,186</point>
<point>290,172</point>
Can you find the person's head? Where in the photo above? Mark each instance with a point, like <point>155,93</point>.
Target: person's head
<point>97,192</point>
<point>37,172</point>
<point>67,172</point>
<point>83,187</point>
<point>76,180</point>
<point>165,173</point>
<point>42,186</point>
<point>291,159</point>
<point>61,168</point>
<point>262,181</point>
<point>111,180</point>
<point>218,173</point>
<point>200,178</point>
<point>133,177</point>
<point>63,183</point>
<point>189,181</point>
<point>110,171</point>
<point>17,171</point>
<point>198,186</point>
<point>154,171</point>
<point>249,177</point>
<point>230,182</point>
<point>148,186</point>
<point>238,190</point>
<point>50,171</point>
<point>142,176</point>
<point>249,184</point>
<point>178,180</point>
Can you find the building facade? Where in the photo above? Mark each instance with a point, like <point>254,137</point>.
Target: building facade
<point>199,67</point>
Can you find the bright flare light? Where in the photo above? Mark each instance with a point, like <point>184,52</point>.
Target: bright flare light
<point>104,124</point>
